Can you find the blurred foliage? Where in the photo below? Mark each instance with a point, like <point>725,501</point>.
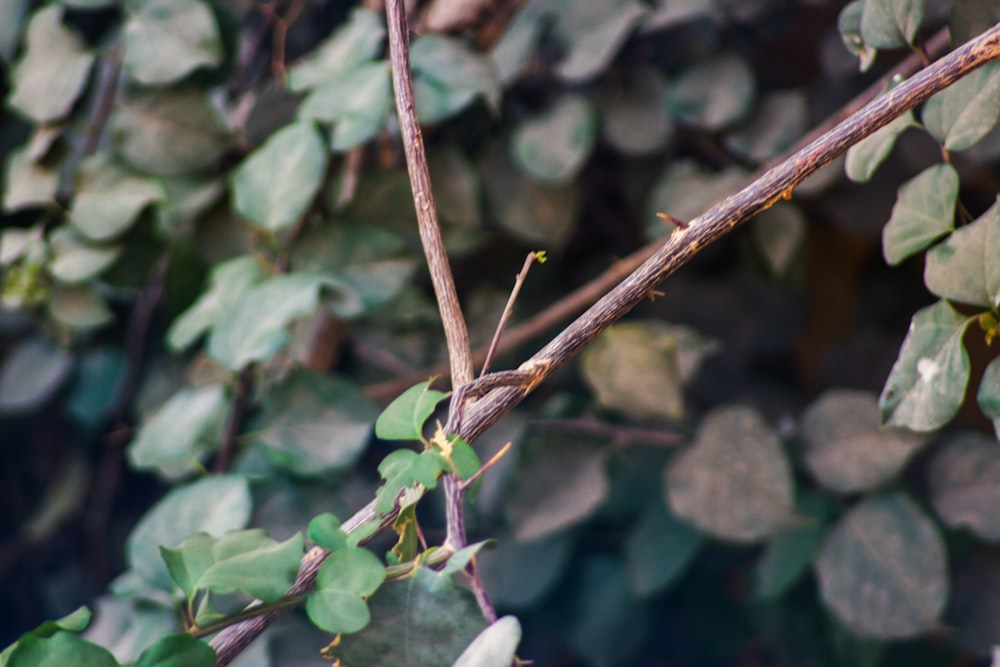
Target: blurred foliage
<point>210,269</point>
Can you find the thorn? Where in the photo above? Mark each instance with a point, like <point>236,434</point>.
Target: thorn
<point>679,224</point>
<point>653,293</point>
<point>787,194</point>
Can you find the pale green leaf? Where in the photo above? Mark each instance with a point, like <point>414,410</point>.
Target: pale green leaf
<point>966,266</point>
<point>714,93</point>
<point>31,373</point>
<point>27,182</point>
<point>276,184</point>
<point>634,116</point>
<point>167,39</point>
<point>250,561</point>
<point>555,145</point>
<point>927,383</point>
<point>924,212</point>
<point>883,570</point>
<point>355,42</point>
<point>78,308</point>
<point>355,101</point>
<point>177,435</point>
<point>448,76</point>
<point>346,577</point>
<point>109,198</point>
<point>493,647</point>
<point>74,260</point>
<point>592,33</point>
<point>404,418</point>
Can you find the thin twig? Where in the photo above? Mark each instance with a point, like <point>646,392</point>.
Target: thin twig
<point>241,393</point>
<point>509,308</point>
<point>105,95</point>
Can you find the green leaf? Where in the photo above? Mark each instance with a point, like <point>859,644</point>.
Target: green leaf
<point>519,574</point>
<point>31,373</point>
<point>554,146</point>
<point>966,266</point>
<point>969,18</point>
<point>927,383</point>
<point>685,190</point>
<point>634,116</point>
<point>448,76</point>
<point>864,157</point>
<point>214,505</point>
<point>74,259</point>
<point>427,467</point>
<point>254,328</point>
<point>178,650</point>
<point>355,42</point>
<point>562,484</point>
<point>714,93</point>
<point>109,198</point>
<point>964,478</point>
<point>638,367</point>
<point>315,423</point>
<point>779,121</point>
<point>28,183</point>
<point>53,70</point>
<point>658,550</point>
<point>404,418</point>
<point>785,559</point>
<point>181,432</point>
<point>397,471</point>
<point>345,578</point>
<point>189,561</point>
<point>12,15</point>
<point>735,481</point>
<point>227,283</point>
<point>355,101</point>
<point>168,132</point>
<point>592,33</point>
<point>277,183</point>
<point>924,212</point>
<point>167,39</point>
<point>439,619</point>
<point>326,532</point>
<point>888,24</point>
<point>849,26</point>
<point>78,308</point>
<point>56,650</point>
<point>93,390</point>
<point>883,569</point>
<point>988,395</point>
<point>493,647</point>
<point>965,112</point>
<point>846,449</point>
<point>609,624</point>
<point>252,562</point>
<point>465,459</point>
<point>512,53</point>
<point>780,234</point>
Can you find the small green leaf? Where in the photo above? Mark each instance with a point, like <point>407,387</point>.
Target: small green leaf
<point>28,183</point>
<point>888,24</point>
<point>715,93</point>
<point>924,212</point>
<point>964,478</point>
<point>493,647</point>
<point>76,261</point>
<point>345,578</point>
<point>464,458</point>
<point>966,111</point>
<point>355,42</point>
<point>178,650</point>
<point>167,39</point>
<point>849,26</point>
<point>883,569</point>
<point>404,418</point>
<point>31,373</point>
<point>181,431</point>
<point>227,283</point>
<point>735,481</point>
<point>79,308</point>
<point>276,184</point>
<point>53,70</point>
<point>658,550</point>
<point>355,101</point>
<point>554,146</point>
<point>846,449</point>
<point>927,383</point>
<point>397,471</point>
<point>255,327</point>
<point>252,562</point>
<point>326,532</point>
<point>864,157</point>
<point>109,198</point>
<point>448,76</point>
<point>966,266</point>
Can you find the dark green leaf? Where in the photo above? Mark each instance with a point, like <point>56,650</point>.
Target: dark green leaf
<point>57,650</point>
<point>255,327</point>
<point>325,531</point>
<point>592,33</point>
<point>780,234</point>
<point>888,24</point>
<point>989,393</point>
<point>356,101</point>
<point>95,386</point>
<point>969,18</point>
<point>181,431</point>
<point>924,212</point>
<point>513,51</point>
<point>355,42</point>
<point>561,485</point>
<point>864,157</point>
<point>31,373</point>
<point>609,623</point>
<point>518,574</point>
<point>214,505</point>
<point>780,120</point>
<point>883,569</point>
<point>404,418</point>
<point>53,69</point>
<point>849,25</point>
<point>345,578</point>
<point>966,266</point>
<point>927,382</point>
<point>846,449</point>
<point>714,93</point>
<point>178,650</point>
<point>167,39</point>
<point>109,198</point>
<point>685,191</point>
<point>448,76</point>
<point>554,146</point>
<point>964,480</point>
<point>277,183</point>
<point>658,550</point>
<point>493,647</point>
<point>785,559</point>
<point>735,481</point>
<point>965,112</point>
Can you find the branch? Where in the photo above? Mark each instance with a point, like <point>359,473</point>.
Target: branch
<point>727,215</point>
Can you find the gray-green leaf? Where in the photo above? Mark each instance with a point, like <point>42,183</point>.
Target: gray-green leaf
<point>924,212</point>
<point>966,266</point>
<point>167,39</point>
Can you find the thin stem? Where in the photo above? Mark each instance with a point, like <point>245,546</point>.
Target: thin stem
<point>105,95</point>
<point>244,384</point>
<point>508,309</point>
